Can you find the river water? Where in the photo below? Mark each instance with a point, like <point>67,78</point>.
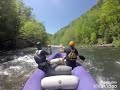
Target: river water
<point>102,63</point>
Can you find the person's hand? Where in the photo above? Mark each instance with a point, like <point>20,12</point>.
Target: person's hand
<point>48,63</point>
<point>82,57</point>
<point>49,46</point>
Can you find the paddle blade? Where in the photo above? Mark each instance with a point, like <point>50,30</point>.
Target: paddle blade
<point>82,57</point>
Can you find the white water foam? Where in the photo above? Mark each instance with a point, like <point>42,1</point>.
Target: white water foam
<point>105,83</point>
<point>9,71</point>
<point>117,62</point>
<point>26,58</point>
<point>5,72</point>
<point>90,66</point>
<point>17,65</point>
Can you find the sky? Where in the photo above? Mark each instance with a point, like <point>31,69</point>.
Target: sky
<point>56,14</point>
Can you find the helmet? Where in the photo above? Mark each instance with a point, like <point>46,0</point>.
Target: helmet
<point>72,43</point>
<point>39,45</point>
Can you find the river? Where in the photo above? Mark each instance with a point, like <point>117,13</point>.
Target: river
<point>102,63</point>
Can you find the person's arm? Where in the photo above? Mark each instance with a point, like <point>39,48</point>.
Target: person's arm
<point>62,62</point>
<point>44,53</point>
<point>50,50</point>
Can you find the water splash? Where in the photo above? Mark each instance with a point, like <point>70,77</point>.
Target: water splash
<point>16,71</point>
<point>117,62</point>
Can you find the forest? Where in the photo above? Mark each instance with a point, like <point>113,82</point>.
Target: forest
<point>99,25</point>
<point>18,26</point>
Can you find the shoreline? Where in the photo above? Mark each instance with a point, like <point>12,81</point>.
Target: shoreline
<point>58,46</point>
<point>89,46</point>
<point>95,46</point>
<point>104,45</point>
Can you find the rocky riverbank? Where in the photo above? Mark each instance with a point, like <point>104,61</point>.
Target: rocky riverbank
<point>104,45</point>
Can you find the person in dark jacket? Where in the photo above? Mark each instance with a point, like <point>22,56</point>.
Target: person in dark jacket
<point>40,57</point>
<point>71,55</point>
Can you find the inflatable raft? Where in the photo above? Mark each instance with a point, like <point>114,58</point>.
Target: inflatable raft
<point>61,77</point>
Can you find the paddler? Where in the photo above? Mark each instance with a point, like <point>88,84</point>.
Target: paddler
<point>71,55</point>
<point>61,48</point>
<point>40,57</point>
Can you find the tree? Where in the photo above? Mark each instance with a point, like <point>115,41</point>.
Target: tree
<point>34,31</point>
<point>9,22</point>
<point>93,38</point>
<point>16,20</point>
<point>97,26</point>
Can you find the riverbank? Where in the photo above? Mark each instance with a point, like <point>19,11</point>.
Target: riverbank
<point>94,46</point>
<point>104,45</point>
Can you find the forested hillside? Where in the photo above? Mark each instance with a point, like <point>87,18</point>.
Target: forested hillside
<point>99,25</point>
<point>18,27</point>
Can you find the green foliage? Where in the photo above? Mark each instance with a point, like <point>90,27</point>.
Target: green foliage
<point>93,38</point>
<point>97,26</point>
<point>116,42</point>
<point>100,41</point>
<point>34,31</point>
<point>17,21</point>
<point>50,38</point>
<point>86,40</point>
<point>9,20</point>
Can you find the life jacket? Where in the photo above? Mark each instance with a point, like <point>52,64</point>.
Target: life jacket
<point>72,56</point>
<point>38,57</point>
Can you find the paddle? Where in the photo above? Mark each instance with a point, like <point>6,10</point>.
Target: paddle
<point>82,57</point>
